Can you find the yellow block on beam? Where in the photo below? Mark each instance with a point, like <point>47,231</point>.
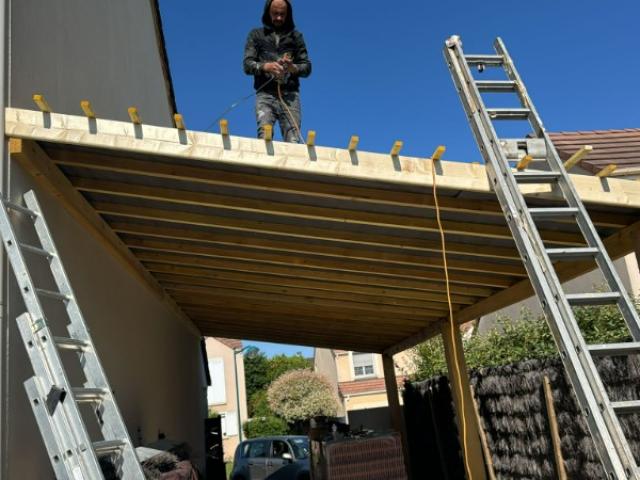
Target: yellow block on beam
<point>268,132</point>
<point>606,171</point>
<point>437,155</point>
<point>179,121</point>
<point>353,143</point>
<point>311,138</point>
<point>41,103</point>
<point>524,163</point>
<point>85,105</point>
<point>224,127</point>
<point>397,146</point>
<point>576,157</point>
<point>134,115</point>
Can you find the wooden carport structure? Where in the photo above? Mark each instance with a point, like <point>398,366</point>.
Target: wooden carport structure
<point>300,243</point>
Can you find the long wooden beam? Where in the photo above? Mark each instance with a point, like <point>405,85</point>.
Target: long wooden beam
<point>337,293</point>
<point>617,245</point>
<point>199,293</point>
<point>246,310</point>
<point>319,279</point>
<point>330,245</point>
<point>283,323</point>
<point>362,195</point>
<point>379,269</point>
<point>271,225</point>
<point>233,329</point>
<point>383,262</point>
<point>35,161</point>
<point>183,196</point>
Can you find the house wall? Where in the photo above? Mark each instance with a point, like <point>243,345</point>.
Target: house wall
<point>324,362</point>
<point>73,50</point>
<point>627,268</point>
<point>216,349</point>
<point>337,365</point>
<point>151,355</point>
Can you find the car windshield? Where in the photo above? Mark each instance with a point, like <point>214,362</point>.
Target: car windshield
<point>300,447</point>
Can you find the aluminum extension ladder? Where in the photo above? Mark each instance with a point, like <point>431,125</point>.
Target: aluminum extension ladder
<point>54,401</point>
<point>601,413</point>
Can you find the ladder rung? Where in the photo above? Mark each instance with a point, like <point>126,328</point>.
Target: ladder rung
<point>107,447</point>
<point>572,253</point>
<point>37,250</point>
<point>486,60</point>
<point>604,298</point>
<point>508,113</point>
<point>613,349</point>
<point>627,407</point>
<point>74,344</point>
<point>536,177</point>
<point>554,212</point>
<point>21,209</point>
<point>496,86</point>
<point>55,295</point>
<point>85,395</point>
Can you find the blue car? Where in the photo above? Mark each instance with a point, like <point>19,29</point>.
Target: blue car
<point>272,458</point>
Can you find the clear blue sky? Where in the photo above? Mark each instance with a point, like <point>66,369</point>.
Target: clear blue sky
<point>379,71</point>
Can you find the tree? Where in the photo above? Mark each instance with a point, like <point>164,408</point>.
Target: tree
<point>259,404</point>
<point>527,338</point>
<point>256,367</point>
<point>265,427</point>
<point>300,395</point>
<point>281,364</point>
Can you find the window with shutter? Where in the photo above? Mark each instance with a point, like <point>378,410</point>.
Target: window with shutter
<point>216,393</point>
<point>363,365</point>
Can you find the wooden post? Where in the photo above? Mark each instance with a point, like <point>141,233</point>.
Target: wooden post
<point>488,459</point>
<point>474,462</point>
<point>395,410</point>
<point>553,426</point>
<point>636,248</point>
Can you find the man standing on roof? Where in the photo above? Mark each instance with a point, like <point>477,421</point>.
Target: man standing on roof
<point>276,56</point>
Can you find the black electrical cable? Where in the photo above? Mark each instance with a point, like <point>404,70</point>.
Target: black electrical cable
<point>237,103</point>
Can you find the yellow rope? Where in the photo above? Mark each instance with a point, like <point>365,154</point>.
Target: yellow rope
<point>451,321</point>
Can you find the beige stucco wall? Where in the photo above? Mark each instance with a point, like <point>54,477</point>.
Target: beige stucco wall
<point>215,349</point>
<point>371,400</point>
<point>324,362</point>
<point>152,358</point>
<point>338,367</point>
<point>404,365</point>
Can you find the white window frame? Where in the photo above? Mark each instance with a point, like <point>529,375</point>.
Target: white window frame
<point>353,366</point>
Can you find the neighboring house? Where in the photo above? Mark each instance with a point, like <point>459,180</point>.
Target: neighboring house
<point>221,395</point>
<point>358,380</point>
<point>617,147</point>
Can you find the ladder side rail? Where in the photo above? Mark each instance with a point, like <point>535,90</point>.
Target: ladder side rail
<point>536,261</point>
<point>603,261</point>
<point>51,371</point>
<point>59,420</point>
<point>111,422</point>
<point>63,466</point>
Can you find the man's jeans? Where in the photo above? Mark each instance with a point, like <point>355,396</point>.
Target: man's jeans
<point>269,109</point>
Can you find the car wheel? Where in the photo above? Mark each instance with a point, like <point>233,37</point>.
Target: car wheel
<point>304,476</point>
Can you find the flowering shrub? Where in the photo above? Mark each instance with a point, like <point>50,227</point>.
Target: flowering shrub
<point>300,395</point>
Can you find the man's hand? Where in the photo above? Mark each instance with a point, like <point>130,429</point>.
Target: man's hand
<point>274,68</point>
<point>287,63</point>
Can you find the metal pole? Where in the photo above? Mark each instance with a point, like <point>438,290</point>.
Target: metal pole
<point>235,371</point>
<point>4,331</point>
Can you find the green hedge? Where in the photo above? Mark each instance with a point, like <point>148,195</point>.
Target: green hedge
<point>264,427</point>
<point>526,338</point>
